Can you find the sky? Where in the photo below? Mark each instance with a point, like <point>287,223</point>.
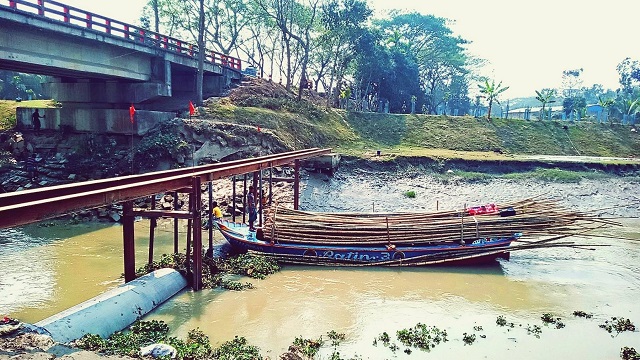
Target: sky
<point>526,44</point>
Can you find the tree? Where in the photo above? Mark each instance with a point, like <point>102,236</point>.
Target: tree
<point>571,82</point>
<point>606,103</point>
<point>629,71</point>
<point>201,54</point>
<point>344,24</point>
<point>295,21</point>
<point>545,96</point>
<point>156,15</point>
<point>430,42</point>
<point>629,107</point>
<point>575,104</point>
<point>492,91</point>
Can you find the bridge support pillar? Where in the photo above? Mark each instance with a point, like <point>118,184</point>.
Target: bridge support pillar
<point>296,185</point>
<point>196,207</point>
<point>128,235</point>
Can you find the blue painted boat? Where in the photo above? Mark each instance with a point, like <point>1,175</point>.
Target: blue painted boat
<point>469,252</point>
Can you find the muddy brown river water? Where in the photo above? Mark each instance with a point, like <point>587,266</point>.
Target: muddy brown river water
<point>44,270</point>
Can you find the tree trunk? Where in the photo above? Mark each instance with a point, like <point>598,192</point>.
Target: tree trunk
<point>156,15</point>
<point>201,54</point>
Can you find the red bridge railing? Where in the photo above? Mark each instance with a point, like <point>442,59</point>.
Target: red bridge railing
<point>54,10</point>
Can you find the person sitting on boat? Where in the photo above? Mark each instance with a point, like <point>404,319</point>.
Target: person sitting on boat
<point>217,213</point>
<point>251,207</point>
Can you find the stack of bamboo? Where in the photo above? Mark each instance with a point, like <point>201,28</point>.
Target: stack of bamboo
<point>532,217</point>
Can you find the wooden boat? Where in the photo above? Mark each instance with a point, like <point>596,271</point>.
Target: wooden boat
<point>473,235</point>
<point>477,251</point>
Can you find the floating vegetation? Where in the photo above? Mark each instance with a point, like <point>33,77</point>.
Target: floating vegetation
<point>308,347</point>
<point>627,353</point>
<point>422,336</point>
<point>468,339</point>
<point>502,321</point>
<point>336,339</point>
<point>143,333</point>
<point>618,324</point>
<point>215,269</point>
<point>548,318</point>
<point>534,330</point>
<point>384,338</point>
<point>256,267</point>
<point>580,313</point>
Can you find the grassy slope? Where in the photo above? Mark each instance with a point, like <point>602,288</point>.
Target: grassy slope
<point>8,110</point>
<point>409,133</point>
<point>307,125</point>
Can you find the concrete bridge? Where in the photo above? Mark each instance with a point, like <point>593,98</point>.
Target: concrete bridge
<point>100,66</point>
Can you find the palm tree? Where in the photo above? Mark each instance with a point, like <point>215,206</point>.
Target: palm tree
<point>629,108</point>
<point>544,96</point>
<point>492,91</point>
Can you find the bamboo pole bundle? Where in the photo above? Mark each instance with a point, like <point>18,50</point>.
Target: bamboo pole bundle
<point>532,216</point>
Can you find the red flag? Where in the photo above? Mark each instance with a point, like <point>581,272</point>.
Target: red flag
<point>132,112</point>
<point>192,109</point>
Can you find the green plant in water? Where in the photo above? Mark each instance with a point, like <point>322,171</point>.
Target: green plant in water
<point>580,313</point>
<point>534,330</point>
<point>627,353</point>
<point>618,324</point>
<point>410,194</point>
<point>422,336</point>
<point>468,339</point>
<point>308,347</point>
<point>384,337</point>
<point>256,267</point>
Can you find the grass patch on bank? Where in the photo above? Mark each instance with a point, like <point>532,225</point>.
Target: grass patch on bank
<point>8,110</point>
<point>555,175</point>
<point>540,174</point>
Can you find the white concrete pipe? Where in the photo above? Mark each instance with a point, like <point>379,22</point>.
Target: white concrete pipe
<point>115,309</point>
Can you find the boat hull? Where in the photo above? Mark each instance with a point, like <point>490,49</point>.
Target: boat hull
<point>479,251</point>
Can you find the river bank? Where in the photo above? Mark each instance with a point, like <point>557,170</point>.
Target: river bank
<point>515,289</point>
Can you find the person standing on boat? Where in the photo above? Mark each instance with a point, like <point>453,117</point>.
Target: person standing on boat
<point>251,206</point>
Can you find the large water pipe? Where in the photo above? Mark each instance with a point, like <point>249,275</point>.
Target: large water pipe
<point>115,309</point>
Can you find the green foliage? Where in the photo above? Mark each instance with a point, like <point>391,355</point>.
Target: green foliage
<point>308,347</point>
<point>257,267</point>
<point>410,194</point>
<point>468,339</point>
<point>552,175</point>
<point>502,322</point>
<point>142,333</point>
<point>580,313</point>
<point>215,270</point>
<point>336,338</point>
<point>627,353</point>
<point>8,122</point>
<point>422,336</point>
<point>492,92</point>
<point>618,324</point>
<point>237,349</point>
<point>548,318</point>
<point>534,330</point>
<point>91,342</point>
<point>285,104</point>
<point>163,143</point>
